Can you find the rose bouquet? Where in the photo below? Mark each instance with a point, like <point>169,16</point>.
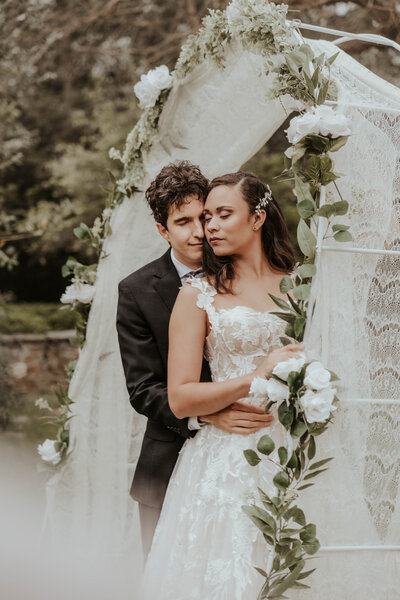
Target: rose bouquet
<point>306,400</point>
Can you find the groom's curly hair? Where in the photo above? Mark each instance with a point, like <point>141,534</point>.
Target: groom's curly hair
<point>174,183</point>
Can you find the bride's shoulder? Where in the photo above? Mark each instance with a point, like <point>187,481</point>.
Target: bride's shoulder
<point>197,292</point>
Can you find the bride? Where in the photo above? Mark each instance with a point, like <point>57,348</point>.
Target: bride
<point>205,547</point>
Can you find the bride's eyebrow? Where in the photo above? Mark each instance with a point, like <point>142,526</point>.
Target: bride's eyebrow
<point>218,209</point>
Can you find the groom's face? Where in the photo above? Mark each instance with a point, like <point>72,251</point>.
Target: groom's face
<point>184,231</point>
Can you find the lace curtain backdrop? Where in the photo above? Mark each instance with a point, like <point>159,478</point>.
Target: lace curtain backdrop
<point>218,119</point>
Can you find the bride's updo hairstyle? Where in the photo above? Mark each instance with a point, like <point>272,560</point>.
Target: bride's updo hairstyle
<point>278,249</point>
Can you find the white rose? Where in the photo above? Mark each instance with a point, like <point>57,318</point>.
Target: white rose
<point>318,406</point>
<point>331,122</point>
<point>259,386</point>
<point>159,77</point>
<point>317,377</point>
<point>301,126</point>
<point>80,292</point>
<point>48,452</point>
<point>276,390</point>
<point>283,368</point>
<point>146,93</point>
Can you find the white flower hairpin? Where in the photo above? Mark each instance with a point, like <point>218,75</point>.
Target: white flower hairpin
<point>263,203</point>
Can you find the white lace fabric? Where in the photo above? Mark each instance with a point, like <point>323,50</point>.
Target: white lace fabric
<point>205,547</point>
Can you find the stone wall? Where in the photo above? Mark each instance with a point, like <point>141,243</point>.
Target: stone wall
<point>35,362</point>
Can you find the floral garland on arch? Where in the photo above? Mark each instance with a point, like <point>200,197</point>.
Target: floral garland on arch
<point>303,390</point>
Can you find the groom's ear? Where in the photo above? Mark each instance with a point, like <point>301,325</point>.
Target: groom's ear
<point>163,231</point>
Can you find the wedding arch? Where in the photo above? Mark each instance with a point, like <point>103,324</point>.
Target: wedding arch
<point>218,114</point>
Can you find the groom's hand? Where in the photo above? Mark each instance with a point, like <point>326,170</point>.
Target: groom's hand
<point>239,418</point>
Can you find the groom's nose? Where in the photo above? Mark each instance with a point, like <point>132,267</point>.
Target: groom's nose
<point>198,230</point>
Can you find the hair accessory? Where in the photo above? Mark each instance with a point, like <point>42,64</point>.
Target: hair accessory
<point>263,203</point>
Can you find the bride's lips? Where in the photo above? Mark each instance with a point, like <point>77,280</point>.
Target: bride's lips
<point>215,240</point>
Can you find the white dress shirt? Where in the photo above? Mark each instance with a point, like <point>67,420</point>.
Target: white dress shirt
<point>183,272</point>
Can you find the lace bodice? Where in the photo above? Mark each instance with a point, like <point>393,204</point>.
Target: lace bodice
<point>239,337</point>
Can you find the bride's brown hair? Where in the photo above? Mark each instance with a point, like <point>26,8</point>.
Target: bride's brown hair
<point>219,270</point>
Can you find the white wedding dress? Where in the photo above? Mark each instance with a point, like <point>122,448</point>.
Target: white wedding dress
<point>205,547</point>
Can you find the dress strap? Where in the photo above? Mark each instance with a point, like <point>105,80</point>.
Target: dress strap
<point>205,298</point>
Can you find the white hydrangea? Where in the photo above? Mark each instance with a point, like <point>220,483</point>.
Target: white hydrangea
<point>78,292</point>
<point>321,120</point>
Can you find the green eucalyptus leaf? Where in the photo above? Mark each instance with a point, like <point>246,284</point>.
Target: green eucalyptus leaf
<point>286,285</point>
<point>305,574</point>
<point>311,547</point>
<point>286,414</point>
<point>343,236</point>
<point>297,515</point>
<point>281,480</point>
<point>306,209</point>
<point>265,445</point>
<point>283,455</point>
<point>252,457</point>
<point>313,168</point>
<point>301,586</point>
<point>299,326</point>
<point>332,58</point>
<point>307,270</point>
<point>288,317</point>
<point>340,227</point>
<point>304,487</point>
<point>263,573</point>
<point>327,210</point>
<point>298,429</point>
<point>320,463</point>
<point>293,461</point>
<point>302,292</point>
<point>289,330</point>
<point>338,143</point>
<point>313,474</point>
<point>311,448</point>
<point>280,302</point>
<point>323,92</point>
<point>341,207</point>
<point>306,239</point>
<point>334,377</point>
<point>277,590</point>
<point>308,533</point>
<point>302,189</point>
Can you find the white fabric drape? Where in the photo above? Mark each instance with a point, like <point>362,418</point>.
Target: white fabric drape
<point>218,119</point>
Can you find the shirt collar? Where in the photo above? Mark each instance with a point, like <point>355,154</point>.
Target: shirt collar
<point>180,267</point>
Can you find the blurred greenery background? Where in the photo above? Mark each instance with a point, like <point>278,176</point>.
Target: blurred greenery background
<point>67,70</point>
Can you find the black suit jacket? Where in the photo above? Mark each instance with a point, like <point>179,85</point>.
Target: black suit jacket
<point>146,299</point>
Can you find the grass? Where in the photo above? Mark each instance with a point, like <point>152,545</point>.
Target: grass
<point>35,317</point>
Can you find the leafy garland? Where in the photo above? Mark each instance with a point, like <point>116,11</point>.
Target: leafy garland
<point>262,28</point>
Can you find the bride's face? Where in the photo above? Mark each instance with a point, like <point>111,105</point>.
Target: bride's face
<point>228,224</point>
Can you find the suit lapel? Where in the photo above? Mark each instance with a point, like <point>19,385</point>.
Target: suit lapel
<point>167,281</point>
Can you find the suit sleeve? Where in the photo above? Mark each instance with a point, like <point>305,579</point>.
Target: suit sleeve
<point>143,367</point>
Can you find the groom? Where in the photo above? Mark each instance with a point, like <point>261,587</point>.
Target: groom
<point>146,298</point>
